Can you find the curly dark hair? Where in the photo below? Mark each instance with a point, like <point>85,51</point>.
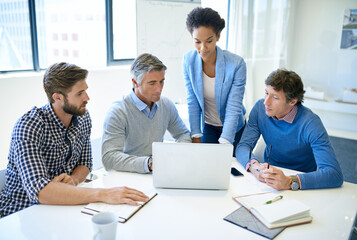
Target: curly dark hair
<point>206,17</point>
<point>289,82</point>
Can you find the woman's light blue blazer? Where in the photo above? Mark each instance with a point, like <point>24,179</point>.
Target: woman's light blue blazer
<point>230,82</point>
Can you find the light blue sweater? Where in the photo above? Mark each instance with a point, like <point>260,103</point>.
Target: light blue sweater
<point>128,133</point>
<point>302,145</point>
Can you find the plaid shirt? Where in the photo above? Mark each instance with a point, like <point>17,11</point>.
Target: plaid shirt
<point>42,148</point>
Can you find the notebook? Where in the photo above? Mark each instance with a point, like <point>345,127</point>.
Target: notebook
<point>275,214</point>
<point>191,165</point>
<point>245,219</point>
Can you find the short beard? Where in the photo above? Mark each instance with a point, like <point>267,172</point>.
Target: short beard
<point>71,109</point>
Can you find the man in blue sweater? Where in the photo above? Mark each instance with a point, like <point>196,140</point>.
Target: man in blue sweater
<point>295,138</point>
<point>139,119</point>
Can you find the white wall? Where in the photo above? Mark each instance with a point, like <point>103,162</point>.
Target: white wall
<point>17,95</point>
<point>315,54</point>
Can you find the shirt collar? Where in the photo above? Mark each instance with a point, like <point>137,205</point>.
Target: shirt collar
<point>74,121</point>
<point>54,117</point>
<point>289,118</point>
<point>140,104</point>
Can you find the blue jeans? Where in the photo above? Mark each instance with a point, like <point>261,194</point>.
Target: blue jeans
<point>211,134</point>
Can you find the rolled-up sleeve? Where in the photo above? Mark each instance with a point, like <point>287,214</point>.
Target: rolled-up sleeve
<point>32,170</point>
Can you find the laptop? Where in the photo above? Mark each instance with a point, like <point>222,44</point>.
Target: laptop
<point>191,165</point>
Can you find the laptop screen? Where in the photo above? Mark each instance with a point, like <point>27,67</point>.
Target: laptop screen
<point>191,165</point>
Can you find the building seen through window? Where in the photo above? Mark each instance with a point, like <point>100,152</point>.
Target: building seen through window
<point>15,40</point>
<point>71,31</point>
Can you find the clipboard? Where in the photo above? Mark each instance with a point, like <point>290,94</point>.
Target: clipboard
<point>244,219</point>
<point>124,211</point>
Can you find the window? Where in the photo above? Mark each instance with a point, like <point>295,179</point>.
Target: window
<point>15,38</point>
<point>37,33</point>
<point>124,35</point>
<point>71,31</point>
<point>263,26</point>
<point>121,38</point>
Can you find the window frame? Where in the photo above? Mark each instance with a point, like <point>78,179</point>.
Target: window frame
<point>33,33</point>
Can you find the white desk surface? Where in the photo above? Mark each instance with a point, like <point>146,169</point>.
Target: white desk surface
<point>186,214</point>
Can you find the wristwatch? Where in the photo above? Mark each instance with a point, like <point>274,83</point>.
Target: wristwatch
<point>150,163</point>
<point>295,183</point>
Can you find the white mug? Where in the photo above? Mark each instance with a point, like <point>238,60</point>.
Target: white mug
<point>105,226</point>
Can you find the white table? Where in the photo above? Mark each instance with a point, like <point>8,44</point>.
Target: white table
<point>186,214</point>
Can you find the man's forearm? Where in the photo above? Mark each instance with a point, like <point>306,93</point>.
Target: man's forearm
<point>123,162</point>
<point>57,193</point>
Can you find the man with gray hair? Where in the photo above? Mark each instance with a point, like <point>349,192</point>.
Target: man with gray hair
<point>139,119</point>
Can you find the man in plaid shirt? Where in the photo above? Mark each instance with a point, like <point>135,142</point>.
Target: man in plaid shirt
<point>50,151</point>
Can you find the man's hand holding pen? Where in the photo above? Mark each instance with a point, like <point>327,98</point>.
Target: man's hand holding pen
<point>274,177</point>
<point>254,166</point>
<point>255,169</point>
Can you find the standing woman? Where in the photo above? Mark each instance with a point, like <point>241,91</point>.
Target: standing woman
<point>215,82</point>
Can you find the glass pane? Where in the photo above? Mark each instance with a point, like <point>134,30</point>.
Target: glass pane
<point>124,29</point>
<point>15,38</point>
<point>71,31</point>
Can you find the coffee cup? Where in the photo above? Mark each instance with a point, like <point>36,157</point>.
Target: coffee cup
<point>105,226</point>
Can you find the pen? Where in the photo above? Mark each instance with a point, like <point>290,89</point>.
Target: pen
<point>250,158</point>
<point>271,146</point>
<point>274,199</point>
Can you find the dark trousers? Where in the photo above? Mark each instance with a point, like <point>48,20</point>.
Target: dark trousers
<point>211,134</point>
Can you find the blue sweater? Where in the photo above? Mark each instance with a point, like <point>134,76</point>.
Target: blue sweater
<point>302,145</point>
